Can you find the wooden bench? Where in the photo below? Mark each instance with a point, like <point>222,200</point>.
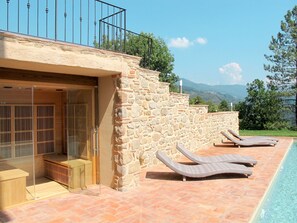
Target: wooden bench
<point>76,173</point>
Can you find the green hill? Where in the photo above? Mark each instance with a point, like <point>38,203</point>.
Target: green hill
<point>215,93</point>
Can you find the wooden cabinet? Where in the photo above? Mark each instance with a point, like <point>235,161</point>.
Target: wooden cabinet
<point>76,173</point>
<point>12,185</point>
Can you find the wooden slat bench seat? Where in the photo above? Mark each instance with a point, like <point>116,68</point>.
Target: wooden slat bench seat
<point>76,173</point>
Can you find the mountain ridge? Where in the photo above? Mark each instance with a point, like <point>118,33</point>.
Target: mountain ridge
<point>215,93</point>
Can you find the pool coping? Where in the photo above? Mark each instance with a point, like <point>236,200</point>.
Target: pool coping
<point>255,213</point>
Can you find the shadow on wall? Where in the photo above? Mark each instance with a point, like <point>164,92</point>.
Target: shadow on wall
<point>107,91</point>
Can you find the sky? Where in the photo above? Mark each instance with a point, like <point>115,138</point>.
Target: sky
<point>212,41</point>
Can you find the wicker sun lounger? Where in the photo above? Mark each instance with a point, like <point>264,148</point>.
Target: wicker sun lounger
<point>249,142</point>
<point>253,137</point>
<point>203,170</point>
<point>226,158</point>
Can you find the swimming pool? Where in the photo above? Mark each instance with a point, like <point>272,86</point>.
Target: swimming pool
<point>280,203</point>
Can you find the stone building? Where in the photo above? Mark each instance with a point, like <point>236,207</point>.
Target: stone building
<point>79,116</point>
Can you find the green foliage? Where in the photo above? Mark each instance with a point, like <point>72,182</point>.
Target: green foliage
<point>278,133</point>
<point>198,100</point>
<point>160,58</point>
<point>262,108</point>
<point>110,44</point>
<point>139,46</point>
<point>239,106</point>
<point>283,61</point>
<point>212,107</point>
<point>153,51</point>
<point>277,125</point>
<point>223,106</point>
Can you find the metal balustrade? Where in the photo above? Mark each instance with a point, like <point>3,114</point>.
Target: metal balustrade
<point>92,23</point>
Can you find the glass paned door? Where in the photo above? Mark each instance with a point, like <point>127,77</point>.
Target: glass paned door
<point>79,122</point>
<point>17,164</point>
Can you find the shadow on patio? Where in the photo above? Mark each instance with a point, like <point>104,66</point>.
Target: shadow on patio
<point>4,217</point>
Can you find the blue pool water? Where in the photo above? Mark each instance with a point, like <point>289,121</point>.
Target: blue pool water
<point>280,203</point>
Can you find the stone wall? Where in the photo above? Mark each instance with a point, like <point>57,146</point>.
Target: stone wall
<point>150,118</point>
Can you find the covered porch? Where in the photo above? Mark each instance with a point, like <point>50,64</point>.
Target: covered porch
<point>52,117</point>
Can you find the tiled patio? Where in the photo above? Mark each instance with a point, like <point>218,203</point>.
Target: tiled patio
<point>163,197</point>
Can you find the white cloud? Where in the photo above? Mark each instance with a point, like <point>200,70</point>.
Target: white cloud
<point>179,42</point>
<point>233,71</point>
<point>201,40</point>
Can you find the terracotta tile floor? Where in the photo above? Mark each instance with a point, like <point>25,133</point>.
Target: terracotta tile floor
<point>163,197</point>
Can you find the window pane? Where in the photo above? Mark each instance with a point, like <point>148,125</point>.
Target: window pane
<point>5,111</point>
<point>80,110</point>
<point>5,135</point>
<point>5,138</point>
<point>70,110</point>
<point>45,148</point>
<point>70,123</point>
<point>5,152</point>
<point>45,111</point>
<point>5,125</point>
<point>23,111</point>
<point>81,124</point>
<point>23,124</point>
<point>23,137</point>
<point>45,135</point>
<point>24,150</point>
<point>45,123</point>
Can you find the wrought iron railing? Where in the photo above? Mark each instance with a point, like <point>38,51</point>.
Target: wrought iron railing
<point>118,39</point>
<point>91,23</point>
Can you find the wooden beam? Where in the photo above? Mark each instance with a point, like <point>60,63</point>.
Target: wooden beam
<point>46,77</point>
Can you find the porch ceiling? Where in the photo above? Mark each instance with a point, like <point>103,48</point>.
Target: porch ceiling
<point>47,78</point>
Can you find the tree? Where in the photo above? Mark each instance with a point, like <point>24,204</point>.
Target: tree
<point>196,100</point>
<point>223,106</point>
<point>212,107</point>
<point>160,58</point>
<point>262,108</point>
<point>153,51</point>
<point>283,61</point>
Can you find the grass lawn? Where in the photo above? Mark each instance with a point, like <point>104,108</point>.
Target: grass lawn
<point>288,133</point>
